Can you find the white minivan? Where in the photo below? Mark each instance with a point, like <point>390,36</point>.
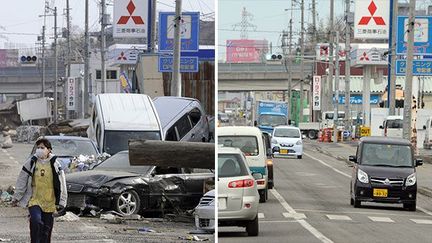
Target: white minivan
<point>392,126</point>
<point>250,140</point>
<point>116,118</point>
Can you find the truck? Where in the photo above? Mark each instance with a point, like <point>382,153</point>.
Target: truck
<point>270,114</point>
<point>311,129</point>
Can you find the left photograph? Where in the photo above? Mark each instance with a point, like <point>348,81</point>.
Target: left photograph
<point>107,121</point>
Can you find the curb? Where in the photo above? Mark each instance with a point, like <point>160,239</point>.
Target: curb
<point>424,191</point>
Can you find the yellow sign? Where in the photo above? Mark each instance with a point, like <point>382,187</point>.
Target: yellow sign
<point>365,131</point>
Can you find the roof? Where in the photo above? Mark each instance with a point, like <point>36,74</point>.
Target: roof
<point>229,150</point>
<point>385,140</point>
<point>238,130</point>
<point>290,127</point>
<point>395,117</point>
<point>59,137</point>
<point>356,83</point>
<point>128,111</point>
<point>169,107</point>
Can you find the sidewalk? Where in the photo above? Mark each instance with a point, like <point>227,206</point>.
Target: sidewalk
<point>342,150</point>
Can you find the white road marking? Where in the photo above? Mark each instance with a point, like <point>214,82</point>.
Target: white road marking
<point>381,219</point>
<point>302,222</point>
<point>338,217</point>
<point>424,211</point>
<point>325,164</point>
<point>294,215</point>
<point>422,221</point>
<point>12,158</point>
<point>278,221</point>
<point>354,212</point>
<point>260,215</point>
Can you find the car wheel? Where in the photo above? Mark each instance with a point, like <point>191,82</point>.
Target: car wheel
<point>263,195</point>
<point>299,156</point>
<point>312,134</point>
<point>410,206</point>
<point>127,203</point>
<point>252,227</point>
<point>356,203</point>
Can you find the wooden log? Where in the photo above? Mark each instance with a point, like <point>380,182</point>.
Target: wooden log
<point>174,154</point>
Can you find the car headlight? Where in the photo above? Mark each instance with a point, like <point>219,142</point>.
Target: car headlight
<point>274,141</point>
<point>362,176</point>
<point>411,180</point>
<point>299,142</point>
<point>102,190</point>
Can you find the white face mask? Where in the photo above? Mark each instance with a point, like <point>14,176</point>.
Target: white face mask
<point>41,153</point>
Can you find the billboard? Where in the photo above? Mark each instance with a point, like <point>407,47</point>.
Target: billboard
<point>8,58</point>
<point>422,35</point>
<point>369,54</point>
<point>189,31</point>
<point>131,19</point>
<point>371,19</point>
<point>245,51</point>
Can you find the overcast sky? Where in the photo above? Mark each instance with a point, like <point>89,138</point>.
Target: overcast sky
<point>22,24</point>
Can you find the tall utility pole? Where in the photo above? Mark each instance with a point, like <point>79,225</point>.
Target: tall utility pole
<point>43,58</point>
<point>407,123</point>
<point>86,60</point>
<point>391,89</point>
<point>347,67</point>
<point>315,39</point>
<point>336,102</point>
<point>176,85</point>
<point>302,49</point>
<point>331,65</point>
<point>68,58</point>
<point>55,67</point>
<point>103,46</point>
<point>153,27</point>
<point>290,64</point>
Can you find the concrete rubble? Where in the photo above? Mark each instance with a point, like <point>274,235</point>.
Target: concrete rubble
<point>29,134</point>
<point>68,217</point>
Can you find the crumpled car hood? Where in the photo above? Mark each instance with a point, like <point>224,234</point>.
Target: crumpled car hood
<point>97,178</point>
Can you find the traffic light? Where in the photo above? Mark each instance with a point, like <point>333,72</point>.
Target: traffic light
<point>276,57</point>
<point>28,59</point>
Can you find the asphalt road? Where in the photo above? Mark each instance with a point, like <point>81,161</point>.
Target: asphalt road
<point>310,203</point>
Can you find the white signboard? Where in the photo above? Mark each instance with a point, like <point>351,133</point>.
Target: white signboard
<point>322,51</point>
<point>421,30</point>
<point>316,94</point>
<point>131,18</point>
<point>361,55</point>
<point>70,97</point>
<point>371,19</point>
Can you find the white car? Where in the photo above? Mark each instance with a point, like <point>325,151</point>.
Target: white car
<point>238,196</point>
<point>205,213</point>
<point>287,141</point>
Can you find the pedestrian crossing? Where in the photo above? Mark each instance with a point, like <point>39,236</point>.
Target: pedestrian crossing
<point>347,218</point>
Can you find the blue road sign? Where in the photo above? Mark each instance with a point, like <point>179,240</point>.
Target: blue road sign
<point>420,67</point>
<point>189,31</point>
<point>346,133</point>
<point>422,35</point>
<point>187,64</point>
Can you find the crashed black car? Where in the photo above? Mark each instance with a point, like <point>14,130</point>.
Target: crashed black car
<point>116,185</point>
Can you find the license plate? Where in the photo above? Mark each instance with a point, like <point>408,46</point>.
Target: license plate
<point>284,151</point>
<point>222,203</point>
<point>380,192</point>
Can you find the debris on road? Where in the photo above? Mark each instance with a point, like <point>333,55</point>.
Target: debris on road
<point>193,238</point>
<point>111,218</point>
<point>5,197</point>
<point>29,134</point>
<point>68,217</point>
<point>146,230</point>
<point>7,140</point>
<point>4,240</point>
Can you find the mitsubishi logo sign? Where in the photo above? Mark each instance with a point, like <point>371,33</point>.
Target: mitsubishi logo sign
<point>364,57</point>
<point>122,56</point>
<point>131,18</point>
<point>136,19</point>
<point>372,9</point>
<point>371,19</point>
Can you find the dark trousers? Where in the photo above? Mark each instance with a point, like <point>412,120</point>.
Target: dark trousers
<point>41,225</point>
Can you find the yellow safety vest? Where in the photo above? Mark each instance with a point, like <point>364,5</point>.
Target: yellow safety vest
<point>43,188</point>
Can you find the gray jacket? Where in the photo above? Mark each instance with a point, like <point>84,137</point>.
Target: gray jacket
<point>24,190</point>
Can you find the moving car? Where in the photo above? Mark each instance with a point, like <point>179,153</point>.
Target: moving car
<point>205,213</point>
<point>223,117</point>
<point>238,197</point>
<point>250,140</point>
<point>182,119</point>
<point>392,126</point>
<point>68,147</point>
<point>287,141</point>
<point>385,172</point>
<point>116,185</point>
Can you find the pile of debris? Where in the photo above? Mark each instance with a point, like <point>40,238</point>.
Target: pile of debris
<point>76,127</point>
<point>6,195</point>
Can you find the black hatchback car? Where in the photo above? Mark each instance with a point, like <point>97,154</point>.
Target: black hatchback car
<point>384,172</point>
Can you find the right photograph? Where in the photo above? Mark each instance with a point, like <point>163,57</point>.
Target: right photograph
<point>316,142</point>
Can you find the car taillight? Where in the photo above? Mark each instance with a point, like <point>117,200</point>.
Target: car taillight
<point>261,182</point>
<point>241,183</point>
